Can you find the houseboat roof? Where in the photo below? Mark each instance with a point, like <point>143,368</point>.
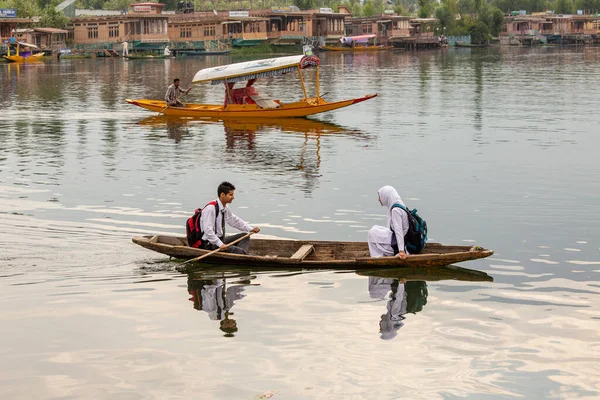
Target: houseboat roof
<point>254,69</point>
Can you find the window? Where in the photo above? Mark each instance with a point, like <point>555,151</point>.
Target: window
<point>209,30</point>
<point>92,32</point>
<point>185,32</point>
<point>113,31</point>
<point>367,28</point>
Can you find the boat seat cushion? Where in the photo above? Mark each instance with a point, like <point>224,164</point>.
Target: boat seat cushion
<point>264,102</point>
<point>302,252</point>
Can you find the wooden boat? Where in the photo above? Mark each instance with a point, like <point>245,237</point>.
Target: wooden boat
<point>201,52</point>
<point>21,53</point>
<point>256,106</point>
<point>146,57</point>
<point>357,44</point>
<point>314,254</point>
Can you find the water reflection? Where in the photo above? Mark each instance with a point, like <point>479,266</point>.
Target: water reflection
<point>214,297</point>
<point>245,143</point>
<point>214,290</point>
<point>405,297</point>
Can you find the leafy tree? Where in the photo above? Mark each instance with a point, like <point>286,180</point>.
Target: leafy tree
<point>398,9</point>
<point>563,7</point>
<point>369,9</point>
<point>25,9</point>
<point>445,17</point>
<point>304,4</point>
<point>425,8</point>
<point>50,18</point>
<point>117,5</point>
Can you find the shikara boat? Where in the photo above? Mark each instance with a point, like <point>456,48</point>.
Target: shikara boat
<point>314,254</point>
<point>23,53</point>
<point>357,44</point>
<point>256,106</point>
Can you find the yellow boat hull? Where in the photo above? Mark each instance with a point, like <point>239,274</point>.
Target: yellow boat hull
<point>302,108</point>
<point>355,49</point>
<point>33,57</point>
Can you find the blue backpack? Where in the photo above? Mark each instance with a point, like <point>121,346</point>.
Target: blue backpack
<point>416,236</point>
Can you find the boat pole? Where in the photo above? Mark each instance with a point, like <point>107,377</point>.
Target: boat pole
<point>228,93</point>
<point>318,84</point>
<point>302,82</point>
<point>219,249</point>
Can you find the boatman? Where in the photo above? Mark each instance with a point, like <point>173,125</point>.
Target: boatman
<point>173,92</point>
<point>213,226</point>
<point>389,240</point>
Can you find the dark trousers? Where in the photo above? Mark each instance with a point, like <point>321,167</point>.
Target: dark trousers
<point>239,248</point>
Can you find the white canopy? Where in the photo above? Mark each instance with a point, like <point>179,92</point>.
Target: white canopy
<point>253,69</point>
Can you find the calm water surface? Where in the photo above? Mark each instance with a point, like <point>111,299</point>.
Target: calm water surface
<point>497,148</point>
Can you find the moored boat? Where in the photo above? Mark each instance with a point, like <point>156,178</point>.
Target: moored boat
<point>246,103</point>
<point>23,52</point>
<point>357,44</point>
<point>314,254</point>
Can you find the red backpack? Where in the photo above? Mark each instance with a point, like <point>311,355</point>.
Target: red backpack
<point>193,230</point>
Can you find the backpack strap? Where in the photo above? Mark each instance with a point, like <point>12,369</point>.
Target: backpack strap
<point>394,241</point>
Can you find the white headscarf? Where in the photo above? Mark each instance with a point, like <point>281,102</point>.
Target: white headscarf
<point>389,196</point>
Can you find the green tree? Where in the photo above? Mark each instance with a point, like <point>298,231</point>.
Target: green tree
<point>304,4</point>
<point>50,18</point>
<point>25,9</point>
<point>425,8</point>
<point>117,5</point>
<point>369,9</point>
<point>563,7</point>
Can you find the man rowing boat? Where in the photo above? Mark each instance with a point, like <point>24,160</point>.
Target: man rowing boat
<point>173,92</point>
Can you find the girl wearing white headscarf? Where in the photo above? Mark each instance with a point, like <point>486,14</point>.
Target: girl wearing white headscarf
<point>380,237</point>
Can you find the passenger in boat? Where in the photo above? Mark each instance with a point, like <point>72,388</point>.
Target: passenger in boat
<point>241,95</point>
<point>389,240</point>
<point>214,226</point>
<point>173,92</point>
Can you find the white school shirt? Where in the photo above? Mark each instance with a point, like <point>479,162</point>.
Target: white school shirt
<point>207,223</point>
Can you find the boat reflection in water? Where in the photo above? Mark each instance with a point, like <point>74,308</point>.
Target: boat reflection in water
<point>274,153</point>
<point>408,292</point>
<point>214,289</point>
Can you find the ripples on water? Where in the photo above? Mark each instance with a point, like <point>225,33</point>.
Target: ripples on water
<point>495,148</point>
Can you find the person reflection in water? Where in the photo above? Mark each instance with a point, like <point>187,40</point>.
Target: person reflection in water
<point>405,297</point>
<point>216,299</point>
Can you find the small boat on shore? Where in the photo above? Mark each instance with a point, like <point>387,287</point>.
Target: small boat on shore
<point>246,103</point>
<point>314,254</point>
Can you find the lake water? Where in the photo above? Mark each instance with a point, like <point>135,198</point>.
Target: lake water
<point>497,148</point>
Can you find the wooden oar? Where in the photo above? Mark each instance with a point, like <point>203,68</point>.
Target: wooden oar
<point>182,96</point>
<point>219,249</point>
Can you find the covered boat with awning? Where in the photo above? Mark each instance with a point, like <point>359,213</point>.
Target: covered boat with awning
<point>245,102</point>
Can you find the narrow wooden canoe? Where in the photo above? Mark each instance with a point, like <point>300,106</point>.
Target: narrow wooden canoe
<point>302,108</point>
<point>311,254</point>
